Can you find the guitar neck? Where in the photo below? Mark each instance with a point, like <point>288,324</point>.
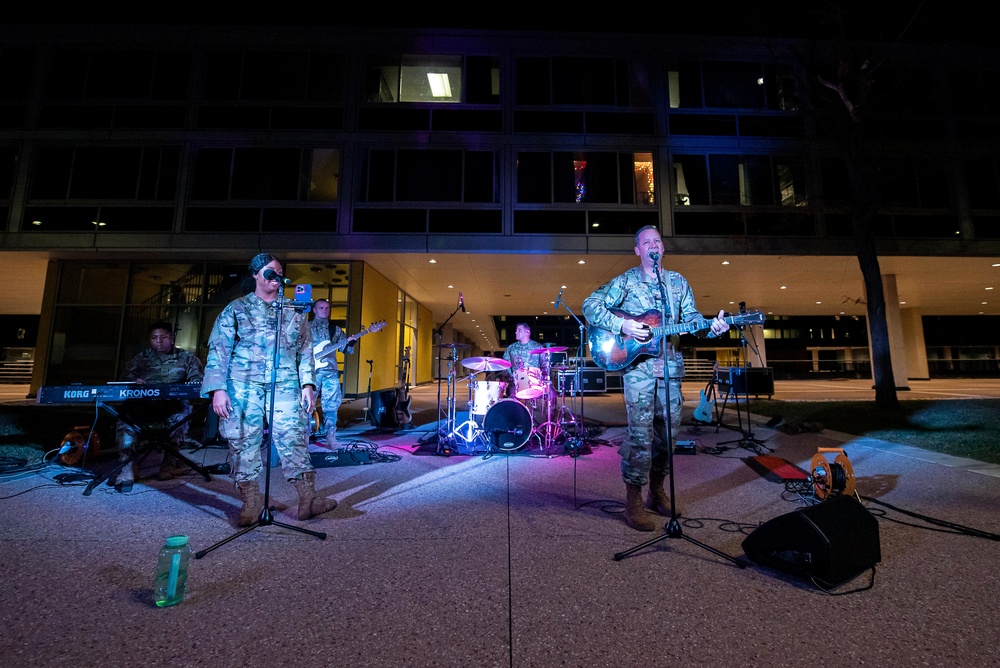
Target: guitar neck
<point>698,325</point>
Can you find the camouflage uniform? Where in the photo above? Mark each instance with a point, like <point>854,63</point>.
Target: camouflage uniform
<point>328,377</point>
<point>177,366</point>
<point>645,389</point>
<point>518,354</point>
<point>240,361</point>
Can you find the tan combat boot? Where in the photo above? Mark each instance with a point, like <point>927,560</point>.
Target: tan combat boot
<point>635,515</point>
<point>253,504</point>
<point>657,499</point>
<point>310,504</point>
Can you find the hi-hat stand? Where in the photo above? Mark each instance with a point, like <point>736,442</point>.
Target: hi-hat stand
<point>746,440</point>
<point>579,426</point>
<point>673,526</point>
<point>266,518</point>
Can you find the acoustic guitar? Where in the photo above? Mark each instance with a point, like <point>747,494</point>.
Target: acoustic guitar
<point>325,349</point>
<point>612,351</point>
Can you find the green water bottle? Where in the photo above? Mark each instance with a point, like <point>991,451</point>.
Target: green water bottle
<point>171,571</point>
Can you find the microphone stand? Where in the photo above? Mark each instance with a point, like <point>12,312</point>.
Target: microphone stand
<point>673,526</point>
<point>747,440</point>
<point>266,518</point>
<point>443,445</point>
<point>581,435</point>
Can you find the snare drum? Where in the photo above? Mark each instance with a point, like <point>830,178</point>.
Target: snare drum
<point>528,383</point>
<point>485,394</point>
<point>508,425</point>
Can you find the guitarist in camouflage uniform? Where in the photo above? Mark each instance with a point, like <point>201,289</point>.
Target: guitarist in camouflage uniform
<point>644,455</point>
<point>328,375</point>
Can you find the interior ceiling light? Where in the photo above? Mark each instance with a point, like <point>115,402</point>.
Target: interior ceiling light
<point>440,85</point>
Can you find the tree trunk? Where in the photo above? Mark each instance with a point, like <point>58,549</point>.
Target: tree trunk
<point>863,219</point>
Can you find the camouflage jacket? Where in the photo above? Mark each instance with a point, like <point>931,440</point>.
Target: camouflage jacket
<point>177,366</point>
<point>241,346</point>
<point>518,354</point>
<point>636,293</point>
<point>322,331</point>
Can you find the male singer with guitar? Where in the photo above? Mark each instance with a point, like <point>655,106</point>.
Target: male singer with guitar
<point>636,292</point>
<point>327,372</point>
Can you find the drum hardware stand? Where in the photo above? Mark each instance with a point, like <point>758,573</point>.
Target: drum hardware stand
<point>581,425</point>
<point>266,518</point>
<point>555,425</point>
<point>469,430</point>
<point>673,526</point>
<point>447,413</point>
<point>746,440</point>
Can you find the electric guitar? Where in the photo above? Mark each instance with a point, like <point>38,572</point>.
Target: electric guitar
<point>703,412</point>
<point>403,416</point>
<point>706,403</point>
<point>612,352</point>
<point>325,349</point>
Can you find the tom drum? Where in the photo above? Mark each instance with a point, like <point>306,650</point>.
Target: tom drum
<point>528,383</point>
<point>485,394</point>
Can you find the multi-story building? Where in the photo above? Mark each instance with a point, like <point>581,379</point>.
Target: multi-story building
<point>141,169</point>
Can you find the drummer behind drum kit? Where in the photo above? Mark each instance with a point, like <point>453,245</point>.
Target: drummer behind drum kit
<point>507,424</point>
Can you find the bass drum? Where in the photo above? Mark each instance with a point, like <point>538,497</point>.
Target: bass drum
<point>508,425</point>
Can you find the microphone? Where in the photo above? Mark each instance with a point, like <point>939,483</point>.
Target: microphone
<point>272,275</point>
<point>654,256</point>
<point>559,298</point>
<point>461,302</point>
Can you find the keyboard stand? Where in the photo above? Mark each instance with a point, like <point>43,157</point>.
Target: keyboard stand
<point>149,438</point>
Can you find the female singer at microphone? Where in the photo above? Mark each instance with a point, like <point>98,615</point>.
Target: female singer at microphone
<point>238,377</point>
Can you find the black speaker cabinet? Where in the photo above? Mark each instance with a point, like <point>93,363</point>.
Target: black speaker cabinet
<point>382,412</point>
<point>752,380</point>
<point>829,543</point>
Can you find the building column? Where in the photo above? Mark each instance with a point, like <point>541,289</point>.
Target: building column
<point>916,347</point>
<point>756,346</point>
<point>897,347</point>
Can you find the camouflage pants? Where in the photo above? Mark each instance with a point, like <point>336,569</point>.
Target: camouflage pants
<point>330,397</point>
<point>244,429</point>
<point>643,450</point>
<point>126,435</point>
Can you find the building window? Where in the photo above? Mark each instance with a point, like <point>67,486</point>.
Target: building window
<point>747,180</point>
<point>727,85</point>
<point>255,173</point>
<point>298,76</point>
<point>584,81</point>
<point>109,172</point>
<point>436,79</point>
<point>410,175</point>
<point>118,74</point>
<point>584,177</point>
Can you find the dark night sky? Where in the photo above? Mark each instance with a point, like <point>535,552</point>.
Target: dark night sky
<point>949,21</point>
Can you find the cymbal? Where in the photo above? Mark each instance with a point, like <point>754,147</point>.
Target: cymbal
<point>454,345</point>
<point>485,363</point>
<point>550,349</point>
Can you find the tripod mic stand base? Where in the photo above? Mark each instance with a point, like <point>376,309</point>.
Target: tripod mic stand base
<point>266,519</point>
<point>673,530</point>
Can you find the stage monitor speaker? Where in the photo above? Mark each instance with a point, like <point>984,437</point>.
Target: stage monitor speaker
<point>382,413</point>
<point>828,543</point>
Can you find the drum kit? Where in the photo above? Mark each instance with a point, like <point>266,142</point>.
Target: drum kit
<point>502,423</point>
